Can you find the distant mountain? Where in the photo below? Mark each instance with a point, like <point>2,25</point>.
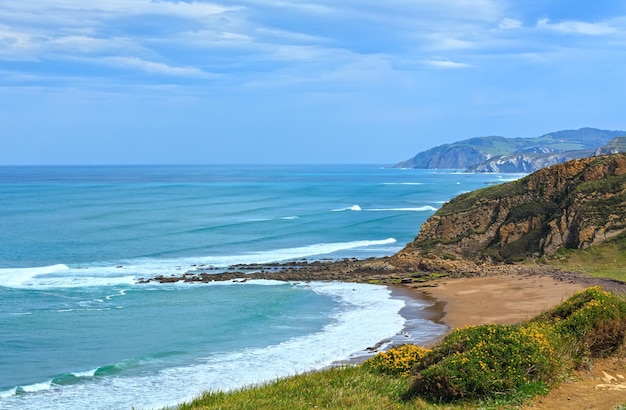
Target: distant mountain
<point>501,154</point>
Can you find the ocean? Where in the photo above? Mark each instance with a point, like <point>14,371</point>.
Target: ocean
<point>78,330</point>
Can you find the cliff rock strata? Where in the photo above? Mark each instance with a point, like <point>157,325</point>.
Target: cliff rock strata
<point>572,205</point>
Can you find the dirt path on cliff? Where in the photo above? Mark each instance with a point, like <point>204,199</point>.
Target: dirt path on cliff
<point>601,388</point>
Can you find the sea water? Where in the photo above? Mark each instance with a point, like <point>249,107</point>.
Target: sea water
<point>78,330</point>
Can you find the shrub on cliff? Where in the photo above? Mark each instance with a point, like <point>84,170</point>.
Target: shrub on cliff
<point>398,361</point>
<point>480,361</point>
<point>592,321</point>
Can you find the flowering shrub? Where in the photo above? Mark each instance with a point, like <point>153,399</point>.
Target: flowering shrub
<point>479,361</point>
<point>594,322</point>
<point>397,360</point>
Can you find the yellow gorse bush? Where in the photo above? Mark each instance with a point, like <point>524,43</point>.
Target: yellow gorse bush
<point>397,360</point>
<point>537,333</point>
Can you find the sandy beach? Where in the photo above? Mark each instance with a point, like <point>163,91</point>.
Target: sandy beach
<point>499,299</point>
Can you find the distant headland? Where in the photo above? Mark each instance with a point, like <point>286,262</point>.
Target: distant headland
<point>525,155</point>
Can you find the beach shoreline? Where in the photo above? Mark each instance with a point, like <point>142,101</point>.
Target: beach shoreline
<point>435,308</point>
<point>495,299</point>
<point>471,295</point>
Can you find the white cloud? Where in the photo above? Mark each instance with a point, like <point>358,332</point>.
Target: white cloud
<point>61,15</point>
<point>577,27</point>
<point>445,42</point>
<point>509,24</point>
<point>312,8</point>
<point>234,36</point>
<point>86,45</point>
<point>64,28</point>
<point>14,43</point>
<point>437,63</point>
<point>153,67</point>
<point>302,53</point>
<point>267,38</point>
<point>289,36</point>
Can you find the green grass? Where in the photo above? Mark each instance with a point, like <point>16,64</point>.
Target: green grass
<point>338,388</point>
<point>606,260</point>
<point>348,387</point>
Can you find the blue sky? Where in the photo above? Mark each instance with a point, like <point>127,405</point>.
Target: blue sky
<point>310,81</point>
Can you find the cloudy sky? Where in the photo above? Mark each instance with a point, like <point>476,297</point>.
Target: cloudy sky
<point>299,81</point>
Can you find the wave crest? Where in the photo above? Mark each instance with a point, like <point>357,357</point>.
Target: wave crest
<point>349,208</point>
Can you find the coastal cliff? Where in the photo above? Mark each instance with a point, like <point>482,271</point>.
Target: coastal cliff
<point>517,155</point>
<point>571,205</point>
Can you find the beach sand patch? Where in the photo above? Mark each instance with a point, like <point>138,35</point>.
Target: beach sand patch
<point>499,299</point>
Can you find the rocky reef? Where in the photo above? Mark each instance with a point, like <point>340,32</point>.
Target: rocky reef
<point>571,205</point>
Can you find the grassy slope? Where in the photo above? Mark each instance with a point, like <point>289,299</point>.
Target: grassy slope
<point>607,260</point>
<point>339,388</point>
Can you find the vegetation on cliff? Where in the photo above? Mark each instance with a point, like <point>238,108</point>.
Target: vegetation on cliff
<point>606,260</point>
<point>566,206</point>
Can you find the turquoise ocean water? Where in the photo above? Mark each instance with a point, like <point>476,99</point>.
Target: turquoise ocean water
<point>78,331</point>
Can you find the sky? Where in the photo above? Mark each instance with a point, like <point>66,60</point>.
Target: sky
<point>299,81</point>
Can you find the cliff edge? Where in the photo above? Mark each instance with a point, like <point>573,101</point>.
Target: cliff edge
<point>571,205</point>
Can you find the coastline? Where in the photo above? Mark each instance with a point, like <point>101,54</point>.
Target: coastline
<point>423,324</point>
<point>435,308</point>
<point>468,295</point>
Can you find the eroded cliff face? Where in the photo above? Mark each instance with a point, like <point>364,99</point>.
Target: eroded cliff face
<point>571,205</point>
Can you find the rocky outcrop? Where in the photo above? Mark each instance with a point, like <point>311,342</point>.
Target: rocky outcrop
<point>571,205</point>
<point>458,156</point>
<point>526,162</point>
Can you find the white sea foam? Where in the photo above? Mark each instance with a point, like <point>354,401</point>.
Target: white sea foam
<point>510,177</point>
<point>129,272</point>
<point>88,373</point>
<point>368,315</point>
<point>157,266</point>
<point>36,387</point>
<point>284,218</point>
<point>408,209</point>
<point>349,208</point>
<point>62,278</point>
<point>17,277</point>
<point>121,292</point>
